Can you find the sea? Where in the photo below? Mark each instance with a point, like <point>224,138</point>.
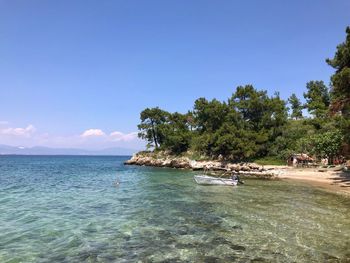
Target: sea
<point>95,209</point>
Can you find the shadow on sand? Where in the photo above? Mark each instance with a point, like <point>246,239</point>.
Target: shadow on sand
<point>342,179</point>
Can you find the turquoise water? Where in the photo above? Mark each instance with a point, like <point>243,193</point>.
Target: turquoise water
<point>69,209</point>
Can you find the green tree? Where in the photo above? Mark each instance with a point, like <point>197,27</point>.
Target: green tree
<point>340,82</point>
<point>234,143</point>
<point>203,143</point>
<point>152,126</point>
<point>251,104</point>
<point>275,116</point>
<point>292,140</point>
<point>296,106</point>
<point>190,120</point>
<point>257,109</point>
<point>317,99</point>
<point>341,78</point>
<point>177,135</point>
<point>327,144</point>
<point>209,115</point>
<point>261,114</point>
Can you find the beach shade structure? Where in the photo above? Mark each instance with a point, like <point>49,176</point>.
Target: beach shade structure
<point>300,159</point>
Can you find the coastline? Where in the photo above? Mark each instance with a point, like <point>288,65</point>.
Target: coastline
<point>180,162</point>
<point>333,181</point>
<point>327,179</point>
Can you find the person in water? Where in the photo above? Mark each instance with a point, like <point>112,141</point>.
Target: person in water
<point>235,177</point>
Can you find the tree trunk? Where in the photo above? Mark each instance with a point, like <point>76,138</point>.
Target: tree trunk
<point>154,135</point>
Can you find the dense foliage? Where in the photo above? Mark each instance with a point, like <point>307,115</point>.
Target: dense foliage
<point>296,107</point>
<point>340,101</point>
<point>251,124</point>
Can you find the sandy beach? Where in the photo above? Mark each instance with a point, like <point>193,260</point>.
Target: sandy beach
<point>335,181</point>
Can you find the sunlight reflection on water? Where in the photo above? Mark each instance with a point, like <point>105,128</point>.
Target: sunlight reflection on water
<point>68,209</point>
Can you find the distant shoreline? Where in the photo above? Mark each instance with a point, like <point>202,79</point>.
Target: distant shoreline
<point>87,155</point>
<point>41,150</point>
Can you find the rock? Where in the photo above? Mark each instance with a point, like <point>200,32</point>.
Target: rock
<point>254,166</point>
<point>183,163</point>
<point>162,159</point>
<point>245,168</point>
<point>195,166</point>
<point>166,162</point>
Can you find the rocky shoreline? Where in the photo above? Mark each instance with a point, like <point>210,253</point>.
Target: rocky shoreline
<point>246,169</point>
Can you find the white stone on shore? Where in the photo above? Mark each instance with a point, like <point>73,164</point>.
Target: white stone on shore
<point>248,169</point>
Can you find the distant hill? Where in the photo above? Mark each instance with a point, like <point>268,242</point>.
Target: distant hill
<point>39,150</point>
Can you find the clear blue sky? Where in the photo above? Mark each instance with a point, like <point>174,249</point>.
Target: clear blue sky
<point>70,66</point>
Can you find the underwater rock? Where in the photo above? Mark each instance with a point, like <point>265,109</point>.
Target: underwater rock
<point>182,230</point>
<point>237,247</point>
<point>220,241</point>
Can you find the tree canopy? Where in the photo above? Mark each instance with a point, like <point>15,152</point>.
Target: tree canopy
<point>296,106</point>
<point>152,126</point>
<point>341,78</point>
<point>340,85</point>
<point>317,98</point>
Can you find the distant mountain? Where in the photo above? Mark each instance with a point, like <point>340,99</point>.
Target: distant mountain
<point>39,150</point>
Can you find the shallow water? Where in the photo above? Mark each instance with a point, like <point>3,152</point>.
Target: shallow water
<point>69,209</point>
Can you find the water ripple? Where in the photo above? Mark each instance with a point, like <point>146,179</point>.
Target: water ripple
<point>68,209</point>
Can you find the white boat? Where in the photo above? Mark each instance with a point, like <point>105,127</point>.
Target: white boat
<point>210,180</point>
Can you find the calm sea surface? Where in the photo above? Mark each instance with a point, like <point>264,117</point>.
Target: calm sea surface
<point>69,209</point>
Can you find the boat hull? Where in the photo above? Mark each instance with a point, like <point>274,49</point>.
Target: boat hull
<point>209,180</point>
